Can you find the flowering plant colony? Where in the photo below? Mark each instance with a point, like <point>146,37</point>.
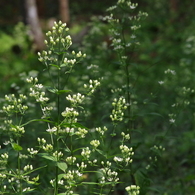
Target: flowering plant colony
<point>81,160</point>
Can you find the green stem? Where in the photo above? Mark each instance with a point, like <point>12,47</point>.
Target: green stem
<point>19,172</point>
<point>128,97</point>
<point>127,73</point>
<point>57,143</point>
<point>130,123</point>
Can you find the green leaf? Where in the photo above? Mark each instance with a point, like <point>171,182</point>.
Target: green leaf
<point>52,90</point>
<point>32,182</point>
<point>101,152</point>
<point>66,194</point>
<point>155,114</point>
<point>36,178</point>
<point>60,176</point>
<point>16,147</point>
<point>90,183</point>
<point>56,91</point>
<point>142,180</point>
<point>54,65</point>
<point>27,173</point>
<point>48,157</point>
<point>94,183</point>
<point>62,166</point>
<point>77,149</point>
<point>74,125</point>
<point>60,53</point>
<point>62,194</point>
<point>62,91</point>
<point>41,120</point>
<point>63,65</point>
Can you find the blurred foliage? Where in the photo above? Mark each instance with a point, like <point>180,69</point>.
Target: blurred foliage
<point>167,42</point>
<point>16,56</point>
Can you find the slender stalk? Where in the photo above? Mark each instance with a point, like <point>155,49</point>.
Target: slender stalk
<point>18,172</point>
<point>130,123</point>
<point>127,74</point>
<point>57,135</point>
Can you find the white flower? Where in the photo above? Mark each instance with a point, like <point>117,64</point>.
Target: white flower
<point>52,130</point>
<point>161,82</point>
<point>95,143</point>
<point>118,159</point>
<point>172,120</point>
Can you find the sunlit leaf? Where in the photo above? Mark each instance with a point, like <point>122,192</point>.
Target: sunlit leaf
<point>62,91</point>
<point>16,147</point>
<point>54,65</point>
<point>52,90</point>
<point>41,120</point>
<point>62,166</point>
<point>47,156</point>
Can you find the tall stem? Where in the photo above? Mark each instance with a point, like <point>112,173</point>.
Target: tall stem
<point>127,73</point>
<point>130,123</point>
<point>128,97</point>
<point>57,133</point>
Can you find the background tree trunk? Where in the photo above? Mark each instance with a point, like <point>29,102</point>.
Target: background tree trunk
<point>33,21</point>
<point>64,11</point>
<point>173,4</point>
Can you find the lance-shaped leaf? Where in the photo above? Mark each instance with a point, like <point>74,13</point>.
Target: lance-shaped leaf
<point>16,147</point>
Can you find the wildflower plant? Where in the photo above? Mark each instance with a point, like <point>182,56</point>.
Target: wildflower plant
<point>77,156</point>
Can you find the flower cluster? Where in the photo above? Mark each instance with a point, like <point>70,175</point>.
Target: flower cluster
<point>71,177</point>
<point>52,130</point>
<point>86,153</point>
<point>169,71</point>
<point>57,154</point>
<point>41,141</point>
<point>36,91</point>
<point>3,159</point>
<point>132,190</point>
<point>118,111</point>
<point>93,84</point>
<point>43,145</point>
<point>95,143</point>
<point>15,105</point>
<point>157,151</point>
<point>100,130</point>
<point>189,47</point>
<point>70,115</point>
<point>107,175</point>
<point>118,23</point>
<point>81,132</point>
<point>187,90</point>
<point>172,118</point>
<point>75,99</point>
<point>12,179</point>
<point>128,3</point>
<point>125,136</point>
<point>71,62</point>
<point>17,130</point>
<point>48,148</point>
<point>58,42</point>
<point>32,151</point>
<point>70,160</point>
<point>81,166</point>
<point>127,153</point>
<point>28,168</point>
<point>67,130</point>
